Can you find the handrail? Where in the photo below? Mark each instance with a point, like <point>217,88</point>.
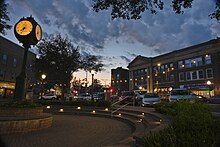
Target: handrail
<point>118,101</point>
<point>118,109</point>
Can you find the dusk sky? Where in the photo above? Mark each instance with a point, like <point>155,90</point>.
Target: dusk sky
<point>118,41</point>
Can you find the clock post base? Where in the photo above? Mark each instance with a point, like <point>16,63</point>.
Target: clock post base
<point>20,87</point>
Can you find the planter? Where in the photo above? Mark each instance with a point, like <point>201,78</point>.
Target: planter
<point>20,111</point>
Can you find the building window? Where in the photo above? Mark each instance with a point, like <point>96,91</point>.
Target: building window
<point>188,76</point>
<point>14,62</point>
<point>4,58</point>
<point>209,73</point>
<point>117,76</point>
<point>181,76</point>
<point>180,64</point>
<point>187,63</point>
<point>193,63</point>
<point>171,64</point>
<point>201,74</point>
<point>199,61</point>
<point>208,59</point>
<point>194,75</point>
<point>172,77</point>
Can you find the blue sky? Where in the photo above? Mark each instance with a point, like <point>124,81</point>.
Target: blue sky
<point>118,41</point>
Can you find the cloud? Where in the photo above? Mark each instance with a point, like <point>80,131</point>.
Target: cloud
<point>125,58</point>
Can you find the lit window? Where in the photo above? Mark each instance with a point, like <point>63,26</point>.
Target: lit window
<point>209,73</point>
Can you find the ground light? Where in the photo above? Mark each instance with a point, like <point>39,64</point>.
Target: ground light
<point>48,107</point>
<point>61,110</point>
<point>93,111</point>
<point>106,109</point>
<point>143,113</point>
<point>78,108</point>
<point>119,114</point>
<point>140,120</point>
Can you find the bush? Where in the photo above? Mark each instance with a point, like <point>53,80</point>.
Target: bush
<point>19,104</point>
<point>192,125</point>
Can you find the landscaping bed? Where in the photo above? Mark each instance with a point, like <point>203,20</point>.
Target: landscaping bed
<point>192,125</point>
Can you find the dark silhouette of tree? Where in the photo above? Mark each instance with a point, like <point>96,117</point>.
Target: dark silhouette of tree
<point>132,9</point>
<point>89,63</point>
<point>4,17</point>
<point>58,59</point>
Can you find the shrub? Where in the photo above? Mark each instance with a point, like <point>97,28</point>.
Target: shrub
<point>192,125</point>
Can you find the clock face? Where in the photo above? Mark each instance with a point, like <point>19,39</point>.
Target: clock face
<point>38,32</point>
<point>24,27</point>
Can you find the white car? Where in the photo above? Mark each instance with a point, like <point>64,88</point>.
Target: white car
<point>181,94</point>
<point>49,96</point>
<point>84,96</point>
<point>150,99</point>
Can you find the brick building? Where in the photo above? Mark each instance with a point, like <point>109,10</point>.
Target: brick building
<point>189,67</point>
<point>11,56</point>
<point>119,80</point>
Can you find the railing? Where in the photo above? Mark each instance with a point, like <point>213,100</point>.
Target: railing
<point>119,109</point>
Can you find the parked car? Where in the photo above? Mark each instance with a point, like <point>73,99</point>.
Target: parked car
<point>85,96</point>
<point>127,97</point>
<point>99,96</point>
<point>181,94</point>
<point>140,94</point>
<point>48,96</point>
<point>150,99</point>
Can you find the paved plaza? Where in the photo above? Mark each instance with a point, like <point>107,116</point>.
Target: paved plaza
<point>73,131</point>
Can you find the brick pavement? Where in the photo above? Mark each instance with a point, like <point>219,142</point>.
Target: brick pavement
<point>73,131</point>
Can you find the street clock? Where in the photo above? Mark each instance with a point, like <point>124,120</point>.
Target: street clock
<point>28,31</point>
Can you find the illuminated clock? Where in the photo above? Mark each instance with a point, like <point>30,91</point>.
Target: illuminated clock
<point>38,32</point>
<point>28,31</point>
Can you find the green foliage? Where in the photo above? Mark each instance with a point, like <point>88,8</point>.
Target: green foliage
<point>19,104</point>
<point>4,17</point>
<point>192,125</point>
<point>132,9</point>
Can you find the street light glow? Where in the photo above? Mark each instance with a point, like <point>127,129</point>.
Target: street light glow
<point>43,76</point>
<point>208,82</point>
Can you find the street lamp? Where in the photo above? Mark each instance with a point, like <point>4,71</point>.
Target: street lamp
<point>92,72</point>
<point>209,86</point>
<point>43,77</point>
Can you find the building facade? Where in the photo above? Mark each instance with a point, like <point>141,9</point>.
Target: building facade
<point>189,68</point>
<point>119,80</point>
<point>11,57</point>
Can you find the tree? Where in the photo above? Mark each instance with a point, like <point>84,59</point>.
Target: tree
<point>89,63</point>
<point>58,59</point>
<point>4,17</point>
<point>132,9</point>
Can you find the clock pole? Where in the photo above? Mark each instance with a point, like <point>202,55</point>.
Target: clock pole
<point>28,32</point>
<point>20,85</point>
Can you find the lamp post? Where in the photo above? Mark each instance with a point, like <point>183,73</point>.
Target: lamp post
<point>209,86</point>
<point>92,72</point>
<point>43,77</point>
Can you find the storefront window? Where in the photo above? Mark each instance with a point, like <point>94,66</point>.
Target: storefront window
<point>188,76</point>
